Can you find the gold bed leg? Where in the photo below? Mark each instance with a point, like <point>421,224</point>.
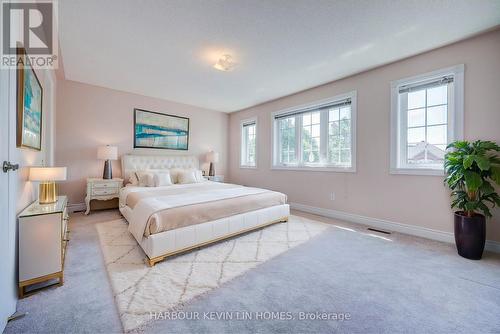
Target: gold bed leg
<point>155,260</point>
<point>152,262</point>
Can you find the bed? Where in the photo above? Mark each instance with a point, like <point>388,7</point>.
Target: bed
<point>169,220</point>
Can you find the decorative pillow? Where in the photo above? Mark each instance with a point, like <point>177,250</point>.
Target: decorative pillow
<point>174,174</point>
<point>133,179</point>
<point>199,175</point>
<point>146,179</point>
<point>187,176</point>
<point>190,176</point>
<point>162,178</point>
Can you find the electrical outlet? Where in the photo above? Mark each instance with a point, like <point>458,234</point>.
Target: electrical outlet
<point>332,196</point>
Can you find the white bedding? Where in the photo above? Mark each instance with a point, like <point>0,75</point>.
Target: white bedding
<point>147,207</point>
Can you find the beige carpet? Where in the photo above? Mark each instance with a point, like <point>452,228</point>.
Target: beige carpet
<point>139,289</point>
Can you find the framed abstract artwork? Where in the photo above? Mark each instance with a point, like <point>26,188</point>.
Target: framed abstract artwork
<point>29,105</point>
<point>157,130</point>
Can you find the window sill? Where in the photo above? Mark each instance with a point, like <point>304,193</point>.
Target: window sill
<point>417,171</point>
<point>315,169</point>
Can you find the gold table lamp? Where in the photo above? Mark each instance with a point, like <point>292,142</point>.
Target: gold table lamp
<point>47,177</point>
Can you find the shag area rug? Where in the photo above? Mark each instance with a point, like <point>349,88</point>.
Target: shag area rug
<point>140,290</point>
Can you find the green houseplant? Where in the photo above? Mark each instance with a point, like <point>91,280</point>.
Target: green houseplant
<point>473,169</point>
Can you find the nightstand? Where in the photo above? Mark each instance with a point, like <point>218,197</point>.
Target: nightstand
<point>216,178</point>
<point>43,236</point>
<point>102,190</point>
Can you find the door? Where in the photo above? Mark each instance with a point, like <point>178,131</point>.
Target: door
<point>7,210</point>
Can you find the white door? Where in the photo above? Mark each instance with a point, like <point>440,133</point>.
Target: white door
<point>7,210</point>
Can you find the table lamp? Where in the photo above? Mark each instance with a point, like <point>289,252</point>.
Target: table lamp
<point>47,176</point>
<point>107,153</point>
<point>212,157</point>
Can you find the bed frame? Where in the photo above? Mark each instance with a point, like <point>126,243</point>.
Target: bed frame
<point>169,243</point>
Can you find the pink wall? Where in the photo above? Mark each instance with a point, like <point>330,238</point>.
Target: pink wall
<point>371,191</point>
<point>89,116</point>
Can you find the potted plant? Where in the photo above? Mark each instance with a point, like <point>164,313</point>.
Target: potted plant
<point>471,169</point>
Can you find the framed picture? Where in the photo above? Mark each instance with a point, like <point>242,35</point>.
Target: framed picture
<point>29,105</point>
<point>157,130</point>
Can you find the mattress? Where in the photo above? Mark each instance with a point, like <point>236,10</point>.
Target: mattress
<point>160,209</point>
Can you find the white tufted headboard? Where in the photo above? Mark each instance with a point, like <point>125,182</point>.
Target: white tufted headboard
<point>132,163</point>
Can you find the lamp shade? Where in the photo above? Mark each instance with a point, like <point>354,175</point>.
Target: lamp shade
<point>212,156</point>
<point>107,153</point>
<point>47,173</point>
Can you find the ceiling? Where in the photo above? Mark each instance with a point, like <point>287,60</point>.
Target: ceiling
<point>166,49</point>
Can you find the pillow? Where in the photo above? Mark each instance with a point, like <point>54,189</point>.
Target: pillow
<point>133,179</point>
<point>162,178</point>
<point>199,175</point>
<point>187,176</point>
<point>145,179</point>
<point>174,174</point>
<point>190,176</point>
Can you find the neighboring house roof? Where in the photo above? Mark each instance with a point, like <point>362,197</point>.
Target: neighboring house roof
<point>418,152</point>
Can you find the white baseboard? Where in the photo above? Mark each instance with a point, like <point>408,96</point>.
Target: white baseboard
<point>76,207</point>
<point>492,246</point>
<point>423,232</point>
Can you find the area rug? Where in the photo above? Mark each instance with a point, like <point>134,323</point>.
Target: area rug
<point>141,291</point>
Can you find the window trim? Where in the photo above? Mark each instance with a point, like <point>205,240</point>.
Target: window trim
<point>455,126</point>
<point>242,123</point>
<point>322,168</point>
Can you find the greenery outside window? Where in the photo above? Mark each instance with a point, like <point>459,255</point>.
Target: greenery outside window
<point>248,144</point>
<point>318,136</point>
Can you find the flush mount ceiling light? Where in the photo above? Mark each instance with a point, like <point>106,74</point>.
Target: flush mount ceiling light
<point>225,63</point>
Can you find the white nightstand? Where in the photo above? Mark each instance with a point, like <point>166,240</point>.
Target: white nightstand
<point>102,190</point>
<point>216,178</point>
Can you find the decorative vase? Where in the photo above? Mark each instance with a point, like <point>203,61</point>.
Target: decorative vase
<point>470,235</point>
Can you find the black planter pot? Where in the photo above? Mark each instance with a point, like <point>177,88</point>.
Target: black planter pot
<point>470,235</point>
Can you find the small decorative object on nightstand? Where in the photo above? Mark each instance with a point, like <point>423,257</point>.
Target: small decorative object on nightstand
<point>107,153</point>
<point>102,190</point>
<point>215,178</point>
<point>43,236</point>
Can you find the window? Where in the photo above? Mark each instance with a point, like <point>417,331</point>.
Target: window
<point>248,143</point>
<point>339,136</point>
<point>426,115</point>
<point>287,140</point>
<point>318,136</point>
